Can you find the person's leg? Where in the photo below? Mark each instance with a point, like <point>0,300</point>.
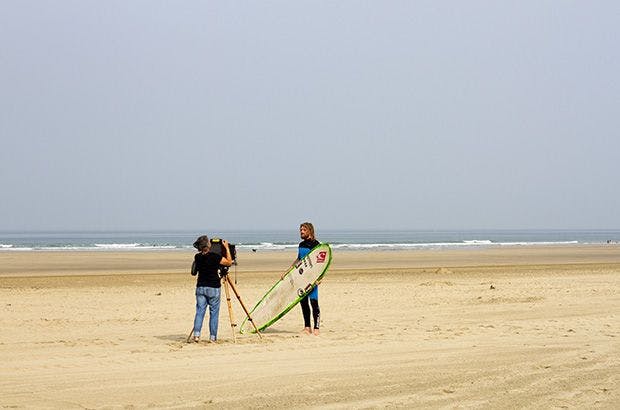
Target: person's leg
<point>316,315</point>
<point>213,296</point>
<point>316,312</point>
<point>305,310</point>
<point>201,308</point>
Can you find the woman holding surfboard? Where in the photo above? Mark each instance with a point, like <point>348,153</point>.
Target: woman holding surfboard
<point>306,232</point>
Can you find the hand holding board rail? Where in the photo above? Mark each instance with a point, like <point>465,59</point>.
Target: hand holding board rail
<point>300,279</point>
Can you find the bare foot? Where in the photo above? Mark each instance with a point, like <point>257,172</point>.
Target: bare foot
<point>307,331</point>
<point>316,332</point>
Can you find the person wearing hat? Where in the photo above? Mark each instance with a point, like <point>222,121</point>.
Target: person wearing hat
<point>208,285</point>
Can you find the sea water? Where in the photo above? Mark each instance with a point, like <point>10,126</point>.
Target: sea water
<point>278,240</point>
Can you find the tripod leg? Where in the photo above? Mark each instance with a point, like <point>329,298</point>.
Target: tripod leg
<point>190,335</point>
<point>231,316</point>
<point>245,309</point>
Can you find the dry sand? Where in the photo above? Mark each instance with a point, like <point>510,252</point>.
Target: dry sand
<point>522,327</point>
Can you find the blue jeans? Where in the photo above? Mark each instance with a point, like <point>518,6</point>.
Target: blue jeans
<point>211,297</point>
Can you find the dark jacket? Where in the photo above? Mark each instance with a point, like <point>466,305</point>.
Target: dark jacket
<point>207,266</point>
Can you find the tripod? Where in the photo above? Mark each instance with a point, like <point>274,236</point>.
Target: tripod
<point>227,285</point>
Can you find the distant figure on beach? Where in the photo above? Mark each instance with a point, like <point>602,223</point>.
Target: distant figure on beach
<point>208,285</point>
<point>306,232</point>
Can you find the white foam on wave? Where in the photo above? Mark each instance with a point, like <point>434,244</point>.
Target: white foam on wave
<point>537,243</point>
<point>442,245</point>
<point>131,246</point>
<point>362,246</point>
<point>13,248</point>
<point>116,245</point>
<point>98,247</point>
<point>267,246</point>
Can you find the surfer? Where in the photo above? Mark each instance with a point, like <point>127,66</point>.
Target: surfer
<point>208,285</point>
<point>306,232</point>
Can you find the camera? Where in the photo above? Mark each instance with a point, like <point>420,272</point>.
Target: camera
<point>218,248</point>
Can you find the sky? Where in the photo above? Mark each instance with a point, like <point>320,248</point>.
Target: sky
<point>148,115</point>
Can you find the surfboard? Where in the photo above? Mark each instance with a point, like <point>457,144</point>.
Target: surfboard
<point>298,281</point>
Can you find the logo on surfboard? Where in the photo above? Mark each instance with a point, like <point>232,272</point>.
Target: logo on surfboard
<point>320,257</point>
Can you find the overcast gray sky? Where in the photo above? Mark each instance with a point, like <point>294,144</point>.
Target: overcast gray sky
<point>249,115</point>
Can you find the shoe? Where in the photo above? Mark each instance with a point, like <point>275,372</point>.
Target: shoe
<point>196,339</point>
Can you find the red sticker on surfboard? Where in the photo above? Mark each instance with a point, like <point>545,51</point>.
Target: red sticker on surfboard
<point>320,257</point>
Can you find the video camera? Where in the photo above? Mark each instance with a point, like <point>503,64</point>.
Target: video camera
<point>218,248</point>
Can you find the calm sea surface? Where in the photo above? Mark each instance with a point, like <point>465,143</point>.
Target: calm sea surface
<point>285,239</point>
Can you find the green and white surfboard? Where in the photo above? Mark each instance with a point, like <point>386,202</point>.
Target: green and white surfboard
<point>300,279</point>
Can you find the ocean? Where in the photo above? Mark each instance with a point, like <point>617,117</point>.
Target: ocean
<point>277,240</point>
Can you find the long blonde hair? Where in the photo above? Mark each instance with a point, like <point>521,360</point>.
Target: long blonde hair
<point>309,227</point>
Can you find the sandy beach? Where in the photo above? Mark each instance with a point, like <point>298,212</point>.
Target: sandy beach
<point>514,327</point>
